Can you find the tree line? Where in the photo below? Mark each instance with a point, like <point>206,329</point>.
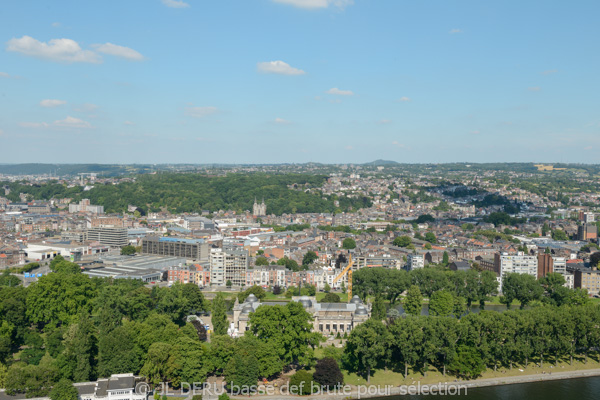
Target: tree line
<point>467,346</point>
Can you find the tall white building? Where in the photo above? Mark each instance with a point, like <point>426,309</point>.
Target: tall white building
<point>228,265</point>
<point>415,261</point>
<point>517,264</point>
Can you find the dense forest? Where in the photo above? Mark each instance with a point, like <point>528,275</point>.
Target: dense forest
<point>283,193</point>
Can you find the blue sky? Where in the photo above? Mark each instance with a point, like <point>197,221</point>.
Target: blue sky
<point>271,81</point>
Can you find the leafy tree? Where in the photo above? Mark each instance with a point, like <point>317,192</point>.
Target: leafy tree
<point>328,373</point>
<point>64,390</point>
<point>595,259</point>
<point>228,283</point>
<point>77,362</point>
<point>301,383</point>
<point>441,303</point>
<point>242,372</point>
<point>195,298</point>
<point>430,237</point>
<point>219,315</point>
<point>222,348</point>
<point>366,347</point>
<point>331,298</point>
<point>378,311</point>
<point>445,259</point>
<point>276,290</point>
<point>128,250</point>
<point>409,337</point>
<point>32,380</point>
<point>413,302</point>
<point>117,353</point>
<point>59,298</point>
<point>309,258</point>
<point>268,363</point>
<point>290,264</point>
<point>287,330</point>
<point>558,234</point>
<point>160,363</point>
<point>327,288</point>
<point>467,363</point>
<point>8,280</point>
<point>402,241</point>
<point>522,287</point>
<point>349,244</point>
<point>261,261</point>
<point>424,218</point>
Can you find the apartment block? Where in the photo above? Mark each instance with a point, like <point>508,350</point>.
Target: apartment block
<point>228,265</point>
<point>196,250</point>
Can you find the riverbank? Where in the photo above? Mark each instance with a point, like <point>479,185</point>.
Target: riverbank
<point>387,383</point>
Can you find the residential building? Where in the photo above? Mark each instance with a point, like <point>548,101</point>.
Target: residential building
<point>519,264</point>
<point>85,206</point>
<point>108,236</point>
<point>195,250</point>
<point>545,265</point>
<point>414,261</point>
<point>228,265</point>
<point>587,278</point>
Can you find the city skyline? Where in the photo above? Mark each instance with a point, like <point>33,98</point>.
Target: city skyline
<point>277,81</point>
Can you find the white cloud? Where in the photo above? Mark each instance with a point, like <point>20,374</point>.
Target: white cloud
<point>56,24</point>
<point>60,50</point>
<point>398,144</point>
<point>278,67</point>
<point>50,103</point>
<point>475,132</point>
<point>200,112</point>
<point>128,123</point>
<point>349,147</point>
<point>118,51</point>
<point>72,122</point>
<point>534,89</point>
<point>282,121</point>
<point>1,132</point>
<point>588,148</point>
<point>455,31</point>
<point>404,98</point>
<point>69,122</point>
<point>313,4</point>
<point>175,3</point>
<point>4,75</point>
<point>385,121</point>
<point>340,92</point>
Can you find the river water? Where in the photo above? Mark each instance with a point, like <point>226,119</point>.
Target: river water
<point>565,389</point>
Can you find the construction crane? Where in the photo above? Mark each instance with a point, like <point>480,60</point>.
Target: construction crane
<point>348,271</point>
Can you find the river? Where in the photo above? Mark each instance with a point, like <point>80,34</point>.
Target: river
<point>565,389</point>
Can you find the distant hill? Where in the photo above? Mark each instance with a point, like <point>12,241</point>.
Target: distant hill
<point>379,163</point>
<point>72,169</point>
